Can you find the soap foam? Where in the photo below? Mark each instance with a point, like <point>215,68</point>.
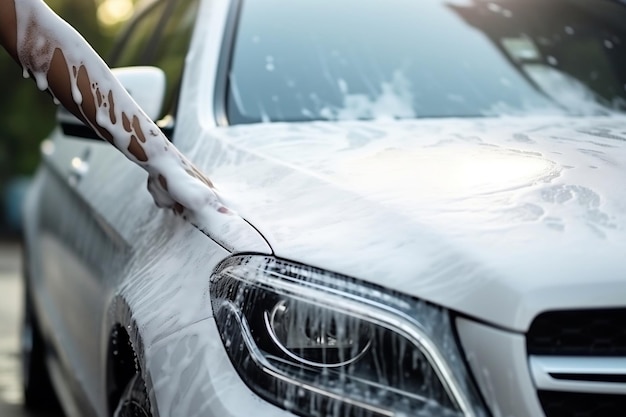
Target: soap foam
<point>173,181</point>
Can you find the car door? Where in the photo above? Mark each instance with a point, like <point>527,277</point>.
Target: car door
<point>111,178</point>
<point>83,249</point>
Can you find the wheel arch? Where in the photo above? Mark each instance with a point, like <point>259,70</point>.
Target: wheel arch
<point>124,355</point>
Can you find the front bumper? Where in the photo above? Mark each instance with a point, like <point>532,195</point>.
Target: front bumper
<point>499,364</point>
<point>192,376</point>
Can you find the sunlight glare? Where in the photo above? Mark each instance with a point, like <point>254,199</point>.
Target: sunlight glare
<point>435,174</point>
<point>112,12</point>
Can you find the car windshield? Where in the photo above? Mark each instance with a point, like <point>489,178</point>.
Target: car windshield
<point>354,59</point>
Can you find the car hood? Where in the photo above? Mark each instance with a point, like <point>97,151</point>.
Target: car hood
<point>498,219</point>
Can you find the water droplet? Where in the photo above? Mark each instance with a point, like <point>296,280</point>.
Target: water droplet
<point>569,30</point>
<point>552,60</point>
<point>608,44</point>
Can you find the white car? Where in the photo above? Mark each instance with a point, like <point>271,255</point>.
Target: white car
<point>430,217</point>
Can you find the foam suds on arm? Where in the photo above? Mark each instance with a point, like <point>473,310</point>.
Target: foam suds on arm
<point>62,62</point>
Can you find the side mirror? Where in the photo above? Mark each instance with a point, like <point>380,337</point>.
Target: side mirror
<point>146,85</point>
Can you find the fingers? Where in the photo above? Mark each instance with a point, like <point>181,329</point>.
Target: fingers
<point>161,196</point>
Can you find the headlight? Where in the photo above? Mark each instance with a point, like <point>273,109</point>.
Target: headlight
<point>320,344</point>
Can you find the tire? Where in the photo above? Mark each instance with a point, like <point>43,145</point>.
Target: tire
<point>36,386</point>
<point>134,401</point>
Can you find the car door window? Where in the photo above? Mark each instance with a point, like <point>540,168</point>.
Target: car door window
<point>133,47</point>
<point>160,37</point>
<point>172,47</point>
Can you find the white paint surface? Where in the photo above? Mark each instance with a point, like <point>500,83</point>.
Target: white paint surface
<point>497,218</point>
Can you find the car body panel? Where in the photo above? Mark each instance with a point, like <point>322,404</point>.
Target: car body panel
<point>194,361</point>
<point>100,248</point>
<point>472,215</point>
<point>502,374</point>
<point>57,262</point>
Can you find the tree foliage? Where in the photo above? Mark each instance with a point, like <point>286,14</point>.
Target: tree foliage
<point>26,114</point>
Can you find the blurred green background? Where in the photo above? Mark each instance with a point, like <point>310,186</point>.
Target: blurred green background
<point>27,115</point>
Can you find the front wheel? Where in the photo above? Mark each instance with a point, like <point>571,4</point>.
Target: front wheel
<point>134,401</point>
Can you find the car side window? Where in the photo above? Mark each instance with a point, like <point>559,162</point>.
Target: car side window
<point>172,45</point>
<point>160,37</point>
<point>134,46</point>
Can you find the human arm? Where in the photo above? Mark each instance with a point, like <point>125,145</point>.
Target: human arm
<point>62,62</point>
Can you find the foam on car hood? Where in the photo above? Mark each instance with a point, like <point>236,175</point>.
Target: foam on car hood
<point>496,218</point>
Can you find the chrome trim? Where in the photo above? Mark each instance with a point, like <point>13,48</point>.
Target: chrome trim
<point>222,75</point>
<point>545,368</point>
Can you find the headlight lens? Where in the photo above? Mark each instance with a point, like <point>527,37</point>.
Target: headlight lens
<point>321,344</point>
<point>310,335</point>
